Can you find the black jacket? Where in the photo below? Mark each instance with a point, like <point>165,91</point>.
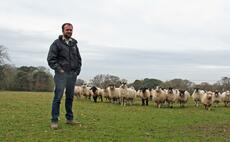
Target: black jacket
<point>64,56</point>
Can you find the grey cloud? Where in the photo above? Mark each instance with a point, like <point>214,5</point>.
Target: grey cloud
<point>131,39</point>
<point>133,64</point>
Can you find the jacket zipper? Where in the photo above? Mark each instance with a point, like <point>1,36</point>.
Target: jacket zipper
<point>69,58</point>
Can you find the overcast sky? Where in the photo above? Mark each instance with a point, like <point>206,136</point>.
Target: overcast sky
<point>132,39</point>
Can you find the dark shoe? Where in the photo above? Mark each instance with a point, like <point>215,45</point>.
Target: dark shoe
<point>71,122</point>
<point>54,125</point>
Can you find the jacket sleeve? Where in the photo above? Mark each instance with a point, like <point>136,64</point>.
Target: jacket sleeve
<point>80,61</point>
<point>52,57</point>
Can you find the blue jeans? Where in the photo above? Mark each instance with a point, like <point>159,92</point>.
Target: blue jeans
<point>63,80</point>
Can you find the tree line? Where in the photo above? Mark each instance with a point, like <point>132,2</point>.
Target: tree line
<point>25,78</point>
<point>103,81</point>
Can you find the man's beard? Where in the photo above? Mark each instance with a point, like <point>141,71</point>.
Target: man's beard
<point>67,36</point>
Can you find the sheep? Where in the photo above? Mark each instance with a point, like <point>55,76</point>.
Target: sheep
<point>170,97</point>
<point>226,98</point>
<point>86,91</point>
<point>159,96</point>
<point>124,94</point>
<point>145,95</point>
<point>106,93</point>
<point>138,94</point>
<point>216,97</point>
<point>95,93</point>
<point>101,93</point>
<point>131,95</point>
<point>114,94</point>
<point>182,97</point>
<point>78,91</point>
<point>206,100</point>
<point>197,96</point>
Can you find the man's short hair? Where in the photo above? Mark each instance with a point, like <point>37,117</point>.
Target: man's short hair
<point>66,24</point>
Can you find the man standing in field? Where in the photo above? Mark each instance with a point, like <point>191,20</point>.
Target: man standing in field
<point>64,58</point>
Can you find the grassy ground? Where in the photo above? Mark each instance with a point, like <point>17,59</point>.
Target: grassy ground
<point>25,116</point>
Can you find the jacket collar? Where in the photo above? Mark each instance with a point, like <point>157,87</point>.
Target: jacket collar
<point>71,41</point>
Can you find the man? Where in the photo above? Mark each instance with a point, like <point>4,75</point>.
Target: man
<point>64,58</point>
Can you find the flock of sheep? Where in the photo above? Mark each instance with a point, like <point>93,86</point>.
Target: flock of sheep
<point>126,95</point>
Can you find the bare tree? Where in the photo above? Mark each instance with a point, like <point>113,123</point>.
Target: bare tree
<point>79,82</point>
<point>225,83</point>
<point>103,80</point>
<point>3,54</point>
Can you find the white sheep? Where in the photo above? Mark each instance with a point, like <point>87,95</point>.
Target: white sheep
<point>206,100</point>
<point>106,94</point>
<point>86,91</point>
<point>100,93</point>
<point>171,97</point>
<point>115,94</point>
<point>158,96</point>
<point>145,95</point>
<point>124,95</point>
<point>78,91</point>
<point>138,94</point>
<point>131,95</point>
<point>182,97</point>
<point>196,96</point>
<point>226,98</point>
<point>216,97</point>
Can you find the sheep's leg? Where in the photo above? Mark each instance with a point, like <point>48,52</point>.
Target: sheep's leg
<point>147,102</point>
<point>209,107</point>
<point>159,106</point>
<point>182,104</point>
<point>101,98</point>
<point>196,103</point>
<point>206,107</point>
<point>171,105</point>
<point>131,101</point>
<point>217,104</point>
<point>116,100</point>
<point>78,96</point>
<point>122,101</point>
<point>168,103</point>
<point>143,102</point>
<point>95,98</point>
<point>125,101</point>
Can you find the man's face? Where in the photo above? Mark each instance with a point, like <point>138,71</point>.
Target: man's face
<point>67,32</point>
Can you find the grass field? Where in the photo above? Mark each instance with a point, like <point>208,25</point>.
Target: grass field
<point>25,117</point>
